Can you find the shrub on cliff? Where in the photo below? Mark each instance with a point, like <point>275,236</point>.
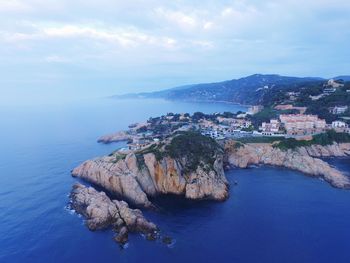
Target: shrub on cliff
<point>193,150</point>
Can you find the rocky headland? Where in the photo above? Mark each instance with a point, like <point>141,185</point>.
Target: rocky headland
<point>187,164</point>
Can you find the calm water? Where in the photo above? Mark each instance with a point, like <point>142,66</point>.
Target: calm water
<point>273,215</point>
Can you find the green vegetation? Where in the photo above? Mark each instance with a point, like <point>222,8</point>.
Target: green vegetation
<point>322,105</point>
<point>238,145</point>
<point>140,161</point>
<point>265,115</point>
<point>321,139</point>
<point>195,149</point>
<point>118,156</point>
<point>190,148</point>
<point>156,149</point>
<point>263,139</point>
<point>249,129</point>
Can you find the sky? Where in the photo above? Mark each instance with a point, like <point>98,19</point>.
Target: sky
<point>82,48</point>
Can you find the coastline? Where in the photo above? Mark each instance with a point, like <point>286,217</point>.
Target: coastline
<point>136,177</point>
<point>120,97</point>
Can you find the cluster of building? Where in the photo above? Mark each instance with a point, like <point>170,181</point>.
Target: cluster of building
<point>219,126</point>
<point>300,126</point>
<point>224,127</point>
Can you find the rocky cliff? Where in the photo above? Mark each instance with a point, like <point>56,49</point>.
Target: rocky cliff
<point>302,159</point>
<point>102,212</point>
<point>135,176</point>
<point>115,137</point>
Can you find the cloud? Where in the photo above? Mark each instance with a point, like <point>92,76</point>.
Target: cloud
<point>57,59</point>
<point>195,40</point>
<point>13,6</point>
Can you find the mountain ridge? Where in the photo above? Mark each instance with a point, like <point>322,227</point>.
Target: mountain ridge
<point>245,90</point>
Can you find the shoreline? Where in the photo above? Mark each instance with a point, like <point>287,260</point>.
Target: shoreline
<point>179,100</point>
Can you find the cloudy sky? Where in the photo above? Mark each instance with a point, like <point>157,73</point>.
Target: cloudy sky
<point>102,47</point>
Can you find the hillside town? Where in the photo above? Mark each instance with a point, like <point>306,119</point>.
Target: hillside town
<point>286,119</point>
<point>220,126</point>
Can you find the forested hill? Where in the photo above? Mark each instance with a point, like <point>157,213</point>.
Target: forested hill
<point>254,89</point>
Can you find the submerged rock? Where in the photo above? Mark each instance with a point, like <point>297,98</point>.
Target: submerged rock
<point>167,240</point>
<point>122,236</point>
<point>101,212</point>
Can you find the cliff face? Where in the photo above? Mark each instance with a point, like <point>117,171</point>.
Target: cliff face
<point>191,165</point>
<point>301,159</point>
<point>136,178</point>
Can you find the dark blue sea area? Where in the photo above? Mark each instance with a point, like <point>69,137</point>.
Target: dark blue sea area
<point>272,215</point>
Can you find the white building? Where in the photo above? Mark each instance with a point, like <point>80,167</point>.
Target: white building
<point>338,109</point>
<point>339,124</point>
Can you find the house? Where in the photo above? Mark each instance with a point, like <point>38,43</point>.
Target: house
<point>329,90</point>
<point>338,109</point>
<point>271,127</point>
<point>138,144</point>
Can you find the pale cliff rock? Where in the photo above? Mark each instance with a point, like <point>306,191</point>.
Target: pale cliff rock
<point>114,177</point>
<point>135,181</point>
<point>136,176</point>
<point>102,212</point>
<point>333,150</point>
<point>115,137</point>
<point>300,159</point>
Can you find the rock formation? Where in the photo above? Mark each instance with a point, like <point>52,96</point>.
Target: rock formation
<point>186,164</point>
<point>135,182</point>
<point>301,159</point>
<point>115,137</point>
<point>102,212</point>
<point>136,176</point>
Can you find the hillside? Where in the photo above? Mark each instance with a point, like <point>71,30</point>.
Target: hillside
<point>247,90</point>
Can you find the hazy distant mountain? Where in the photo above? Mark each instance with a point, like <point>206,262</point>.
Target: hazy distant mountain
<point>246,90</point>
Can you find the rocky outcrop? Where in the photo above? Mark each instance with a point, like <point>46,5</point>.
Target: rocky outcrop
<point>102,212</point>
<point>333,150</point>
<point>136,177</point>
<point>301,159</point>
<point>115,137</point>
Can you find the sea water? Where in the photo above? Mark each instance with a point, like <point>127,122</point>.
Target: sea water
<point>272,215</point>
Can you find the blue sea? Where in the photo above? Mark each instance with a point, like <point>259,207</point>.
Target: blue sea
<point>272,215</point>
